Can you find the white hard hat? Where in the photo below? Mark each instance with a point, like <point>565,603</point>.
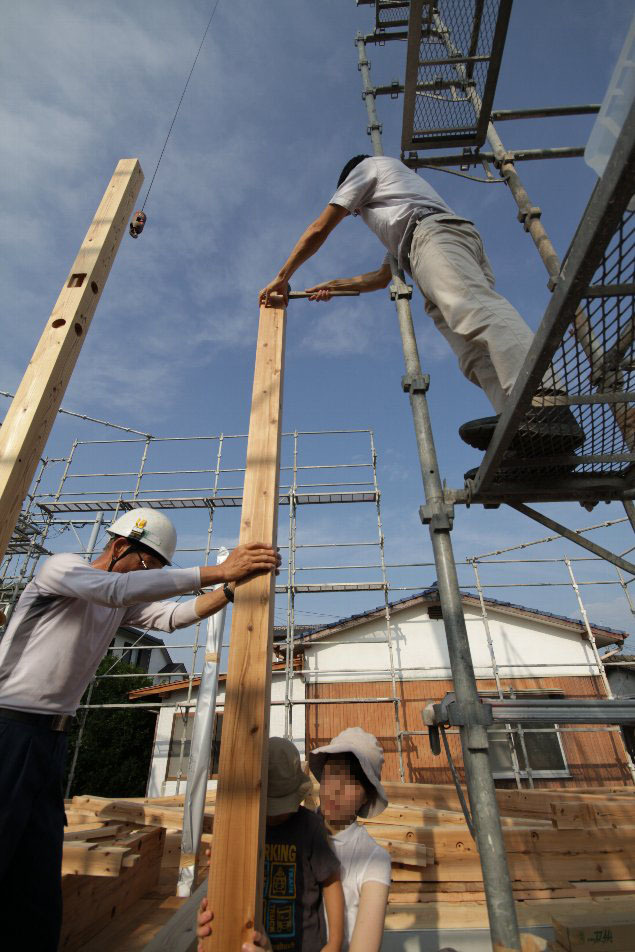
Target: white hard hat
<point>149,527</point>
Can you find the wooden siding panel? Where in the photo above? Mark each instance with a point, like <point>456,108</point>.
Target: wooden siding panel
<point>595,758</point>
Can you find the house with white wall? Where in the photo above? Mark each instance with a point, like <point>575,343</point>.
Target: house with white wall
<point>365,671</point>
<point>144,651</point>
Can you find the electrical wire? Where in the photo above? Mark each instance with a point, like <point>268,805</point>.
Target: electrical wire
<point>89,419</point>
<point>187,82</point>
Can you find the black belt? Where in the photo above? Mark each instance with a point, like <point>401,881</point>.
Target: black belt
<point>54,722</point>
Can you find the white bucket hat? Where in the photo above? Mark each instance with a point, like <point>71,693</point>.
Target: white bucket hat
<point>287,784</point>
<point>368,751</point>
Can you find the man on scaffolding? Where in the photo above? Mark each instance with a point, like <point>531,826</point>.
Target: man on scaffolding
<point>62,626</point>
<point>444,255</point>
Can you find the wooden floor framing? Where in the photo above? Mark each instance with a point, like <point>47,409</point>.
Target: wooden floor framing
<point>571,852</point>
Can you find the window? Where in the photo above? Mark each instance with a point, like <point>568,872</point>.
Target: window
<point>541,742</point>
<point>182,725</point>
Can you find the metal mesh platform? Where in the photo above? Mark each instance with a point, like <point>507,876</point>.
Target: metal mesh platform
<point>583,351</point>
<point>391,13</point>
<point>452,64</point>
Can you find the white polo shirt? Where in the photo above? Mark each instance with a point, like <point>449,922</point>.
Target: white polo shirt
<point>66,618</point>
<point>390,199</point>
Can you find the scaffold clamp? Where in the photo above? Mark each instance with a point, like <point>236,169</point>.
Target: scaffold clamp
<point>399,292</point>
<point>527,215</point>
<point>439,517</point>
<point>415,383</point>
<point>449,712</point>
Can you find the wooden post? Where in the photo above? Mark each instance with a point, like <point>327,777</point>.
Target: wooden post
<point>31,415</point>
<point>236,870</point>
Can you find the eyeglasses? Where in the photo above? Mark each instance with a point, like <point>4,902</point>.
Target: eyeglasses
<point>144,563</point>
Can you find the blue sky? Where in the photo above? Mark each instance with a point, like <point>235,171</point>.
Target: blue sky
<point>273,111</point>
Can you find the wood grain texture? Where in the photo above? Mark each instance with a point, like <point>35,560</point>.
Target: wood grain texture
<point>236,870</point>
<point>31,415</point>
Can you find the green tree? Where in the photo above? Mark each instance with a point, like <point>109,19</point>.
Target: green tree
<point>116,744</point>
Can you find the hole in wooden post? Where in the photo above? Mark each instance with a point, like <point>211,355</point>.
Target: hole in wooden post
<point>59,322</point>
<point>76,280</point>
<point>94,287</point>
<point>79,330</point>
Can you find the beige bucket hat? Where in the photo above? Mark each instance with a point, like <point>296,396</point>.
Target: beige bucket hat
<point>370,755</point>
<point>287,784</point>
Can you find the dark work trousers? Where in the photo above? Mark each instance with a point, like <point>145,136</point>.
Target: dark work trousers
<point>31,836</point>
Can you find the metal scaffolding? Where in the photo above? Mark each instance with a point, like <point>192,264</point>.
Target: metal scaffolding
<point>70,498</point>
<point>64,514</point>
<point>454,50</point>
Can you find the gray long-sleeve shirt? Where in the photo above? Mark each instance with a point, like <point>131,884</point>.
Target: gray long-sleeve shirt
<point>66,618</point>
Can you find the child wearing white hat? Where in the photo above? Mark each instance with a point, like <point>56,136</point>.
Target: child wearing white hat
<point>349,772</point>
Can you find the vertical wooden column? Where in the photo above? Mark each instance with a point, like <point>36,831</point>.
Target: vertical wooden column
<point>236,871</point>
<point>31,415</point>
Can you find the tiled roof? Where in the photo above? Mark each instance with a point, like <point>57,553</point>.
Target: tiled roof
<point>432,594</point>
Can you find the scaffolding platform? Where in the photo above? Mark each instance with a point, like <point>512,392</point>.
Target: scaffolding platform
<point>452,65</point>
<point>585,344</point>
<point>197,502</point>
<point>26,538</point>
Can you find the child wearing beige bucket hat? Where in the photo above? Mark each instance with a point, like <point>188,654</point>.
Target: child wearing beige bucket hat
<point>301,869</point>
<point>349,772</point>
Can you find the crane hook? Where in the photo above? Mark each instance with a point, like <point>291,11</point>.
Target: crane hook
<point>137,224</point>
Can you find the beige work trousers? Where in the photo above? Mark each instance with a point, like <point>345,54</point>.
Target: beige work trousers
<point>488,335</point>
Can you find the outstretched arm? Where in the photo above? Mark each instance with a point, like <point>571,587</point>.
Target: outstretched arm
<point>371,281</point>
<point>312,238</point>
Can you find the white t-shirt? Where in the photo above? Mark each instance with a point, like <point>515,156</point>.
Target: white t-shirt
<point>390,199</point>
<point>66,618</point>
<point>361,861</point>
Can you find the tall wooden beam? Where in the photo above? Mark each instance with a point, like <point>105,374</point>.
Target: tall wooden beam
<point>236,871</point>
<point>31,415</point>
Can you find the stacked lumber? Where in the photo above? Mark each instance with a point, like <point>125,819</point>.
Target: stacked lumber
<point>568,850</point>
<point>560,844</point>
<point>106,867</point>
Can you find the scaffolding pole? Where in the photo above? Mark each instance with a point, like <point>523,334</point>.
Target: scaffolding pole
<point>201,750</point>
<point>499,687</point>
<point>389,641</point>
<point>596,654</point>
<point>438,515</point>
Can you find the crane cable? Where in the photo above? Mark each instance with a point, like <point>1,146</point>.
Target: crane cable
<point>139,217</point>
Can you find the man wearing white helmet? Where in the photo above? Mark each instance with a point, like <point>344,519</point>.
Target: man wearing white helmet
<point>61,628</point>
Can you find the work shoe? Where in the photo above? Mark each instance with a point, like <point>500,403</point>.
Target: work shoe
<point>544,430</point>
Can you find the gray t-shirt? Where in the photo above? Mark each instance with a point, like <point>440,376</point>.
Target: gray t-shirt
<point>298,860</point>
<point>66,618</point>
<point>390,199</point>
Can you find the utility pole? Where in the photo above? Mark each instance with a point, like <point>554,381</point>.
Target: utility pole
<point>236,871</point>
<point>32,413</point>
